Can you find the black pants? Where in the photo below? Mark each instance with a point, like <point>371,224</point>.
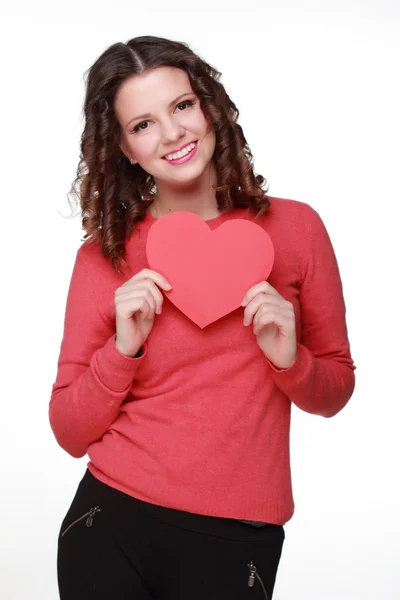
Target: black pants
<point>114,547</point>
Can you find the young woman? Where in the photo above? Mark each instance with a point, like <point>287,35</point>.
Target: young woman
<point>187,429</point>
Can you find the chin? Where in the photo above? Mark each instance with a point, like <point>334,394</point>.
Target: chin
<point>190,175</point>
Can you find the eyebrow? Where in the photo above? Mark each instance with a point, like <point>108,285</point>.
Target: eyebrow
<point>147,115</point>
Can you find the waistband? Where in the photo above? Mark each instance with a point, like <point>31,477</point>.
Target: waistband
<point>217,526</point>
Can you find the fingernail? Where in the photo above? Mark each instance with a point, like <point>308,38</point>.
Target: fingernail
<point>168,286</point>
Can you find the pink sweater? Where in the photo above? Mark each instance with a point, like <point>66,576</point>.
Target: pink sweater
<point>200,422</point>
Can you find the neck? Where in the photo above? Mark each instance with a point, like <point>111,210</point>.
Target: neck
<point>198,197</point>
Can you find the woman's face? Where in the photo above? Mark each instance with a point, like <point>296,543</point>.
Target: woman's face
<point>160,115</point>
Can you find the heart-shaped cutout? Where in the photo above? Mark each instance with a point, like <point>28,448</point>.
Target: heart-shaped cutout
<point>209,270</point>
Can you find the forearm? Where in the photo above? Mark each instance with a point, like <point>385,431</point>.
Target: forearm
<point>320,386</point>
<point>86,399</point>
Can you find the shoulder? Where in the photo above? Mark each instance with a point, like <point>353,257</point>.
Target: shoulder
<point>295,228</point>
<point>90,260</point>
<point>294,216</point>
<point>293,210</point>
<point>89,254</point>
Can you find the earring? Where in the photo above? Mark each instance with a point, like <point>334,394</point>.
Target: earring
<point>132,161</point>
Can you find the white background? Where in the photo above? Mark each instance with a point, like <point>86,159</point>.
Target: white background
<point>317,86</point>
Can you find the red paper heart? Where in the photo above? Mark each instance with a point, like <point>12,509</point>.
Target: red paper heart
<point>209,270</point>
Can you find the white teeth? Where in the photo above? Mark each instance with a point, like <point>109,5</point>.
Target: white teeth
<point>181,153</point>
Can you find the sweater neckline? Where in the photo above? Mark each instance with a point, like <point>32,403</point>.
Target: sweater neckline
<point>150,219</point>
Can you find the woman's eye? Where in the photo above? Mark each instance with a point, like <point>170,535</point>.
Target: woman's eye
<point>183,105</point>
<point>140,126</point>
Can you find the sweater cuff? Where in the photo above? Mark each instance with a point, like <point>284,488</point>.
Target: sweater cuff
<point>115,370</point>
<point>297,375</point>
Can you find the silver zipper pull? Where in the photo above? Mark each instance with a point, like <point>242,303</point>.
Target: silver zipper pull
<point>252,576</point>
<point>92,512</point>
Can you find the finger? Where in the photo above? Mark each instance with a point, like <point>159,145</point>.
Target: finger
<point>153,276</point>
<point>137,300</point>
<point>128,307</point>
<point>142,288</point>
<point>157,296</point>
<point>147,309</point>
<point>271,315</point>
<point>256,303</point>
<point>149,298</point>
<point>260,288</point>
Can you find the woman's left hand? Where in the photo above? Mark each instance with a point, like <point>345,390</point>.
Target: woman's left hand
<point>273,323</point>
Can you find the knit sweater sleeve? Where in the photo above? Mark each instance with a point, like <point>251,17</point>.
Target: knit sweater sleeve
<point>93,377</point>
<point>321,380</point>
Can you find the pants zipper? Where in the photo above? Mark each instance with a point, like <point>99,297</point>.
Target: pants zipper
<point>89,522</point>
<point>88,516</point>
<point>252,577</point>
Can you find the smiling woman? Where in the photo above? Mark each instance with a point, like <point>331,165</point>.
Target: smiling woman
<point>186,421</point>
<point>145,101</point>
<point>174,133</point>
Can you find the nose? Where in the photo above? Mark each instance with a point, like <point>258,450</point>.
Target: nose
<point>171,131</point>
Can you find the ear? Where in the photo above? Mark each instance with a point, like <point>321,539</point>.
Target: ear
<point>127,153</point>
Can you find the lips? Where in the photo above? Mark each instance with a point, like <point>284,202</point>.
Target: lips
<point>170,154</point>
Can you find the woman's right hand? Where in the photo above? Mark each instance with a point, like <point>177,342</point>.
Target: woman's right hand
<point>137,302</point>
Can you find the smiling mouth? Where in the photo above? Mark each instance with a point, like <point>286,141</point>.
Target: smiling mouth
<point>181,153</point>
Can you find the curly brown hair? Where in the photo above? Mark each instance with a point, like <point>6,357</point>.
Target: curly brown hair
<point>112,192</point>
